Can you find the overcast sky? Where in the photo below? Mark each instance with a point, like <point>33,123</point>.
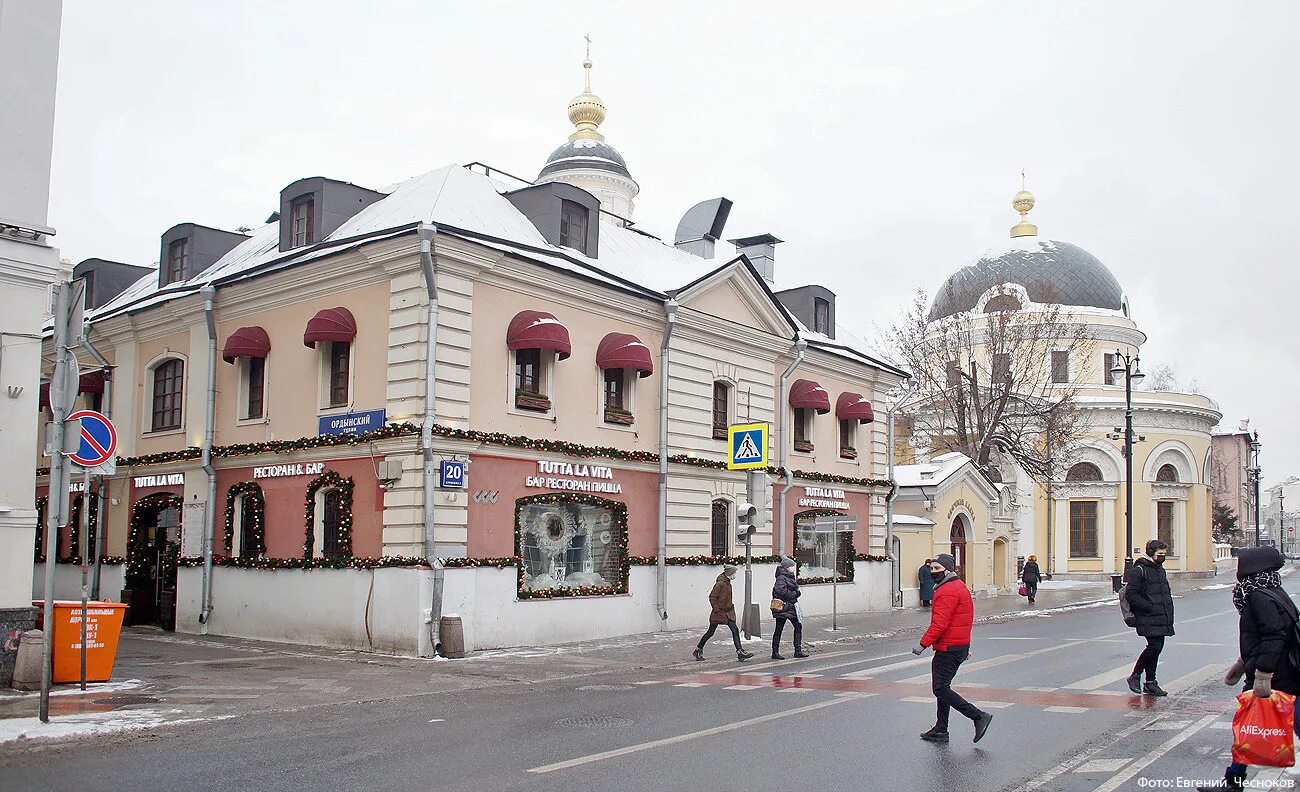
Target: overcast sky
<point>882,141</point>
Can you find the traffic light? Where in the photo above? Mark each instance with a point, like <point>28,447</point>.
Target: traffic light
<point>746,516</point>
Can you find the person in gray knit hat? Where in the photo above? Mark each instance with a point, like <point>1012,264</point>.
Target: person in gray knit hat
<point>785,593</point>
<point>723,611</point>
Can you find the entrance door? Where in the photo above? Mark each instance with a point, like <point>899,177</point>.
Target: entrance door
<point>959,545</point>
<point>1000,563</point>
<point>153,590</point>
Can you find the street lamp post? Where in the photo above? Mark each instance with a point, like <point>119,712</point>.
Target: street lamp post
<point>1254,472</point>
<point>1132,371</point>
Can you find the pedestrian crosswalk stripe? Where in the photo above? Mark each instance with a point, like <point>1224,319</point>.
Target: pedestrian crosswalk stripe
<point>1169,725</point>
<point>1103,679</point>
<point>1221,725</point>
<point>794,690</point>
<point>918,699</point>
<point>1071,710</point>
<point>993,704</point>
<point>650,682</point>
<point>742,687</point>
<point>691,684</point>
<point>1040,689</point>
<point>1102,766</point>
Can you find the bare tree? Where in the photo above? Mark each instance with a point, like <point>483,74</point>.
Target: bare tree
<point>998,383</point>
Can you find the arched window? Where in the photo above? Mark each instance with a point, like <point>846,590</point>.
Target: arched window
<point>329,517</point>
<point>1002,302</point>
<point>1083,471</point>
<point>1167,473</point>
<point>721,523</point>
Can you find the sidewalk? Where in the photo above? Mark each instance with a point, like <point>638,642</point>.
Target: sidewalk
<point>166,678</point>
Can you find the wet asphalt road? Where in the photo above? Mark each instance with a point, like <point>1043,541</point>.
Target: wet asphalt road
<point>846,718</point>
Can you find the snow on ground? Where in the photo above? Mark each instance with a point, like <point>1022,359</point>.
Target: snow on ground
<point>92,723</point>
<point>1059,584</point>
<point>1215,587</point>
<point>74,689</point>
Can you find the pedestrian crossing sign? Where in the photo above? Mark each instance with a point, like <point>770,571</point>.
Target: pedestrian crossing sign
<point>747,446</point>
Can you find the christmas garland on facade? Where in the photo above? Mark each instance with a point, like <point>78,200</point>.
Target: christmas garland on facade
<point>474,563</point>
<point>249,489</point>
<point>137,555</point>
<point>38,554</point>
<point>348,562</point>
<point>619,518</point>
<point>333,480</point>
<point>563,447</point>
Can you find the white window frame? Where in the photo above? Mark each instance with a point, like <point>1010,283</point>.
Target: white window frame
<point>318,522</point>
<point>324,351</point>
<point>146,407</point>
<point>241,408</point>
<point>236,535</point>
<point>630,377</point>
<point>811,430</point>
<point>547,360</point>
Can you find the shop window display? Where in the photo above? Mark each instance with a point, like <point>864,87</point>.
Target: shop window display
<point>569,544</point>
<point>815,552</point>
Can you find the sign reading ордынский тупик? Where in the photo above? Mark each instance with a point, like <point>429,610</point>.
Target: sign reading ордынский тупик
<point>352,423</point>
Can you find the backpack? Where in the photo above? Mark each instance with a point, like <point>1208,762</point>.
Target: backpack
<point>1126,608</point>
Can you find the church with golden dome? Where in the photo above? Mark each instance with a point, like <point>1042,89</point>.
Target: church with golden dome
<point>1071,511</point>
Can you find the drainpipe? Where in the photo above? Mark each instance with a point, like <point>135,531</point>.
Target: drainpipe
<point>661,558</point>
<point>209,295</point>
<point>107,405</point>
<point>800,348</point>
<point>895,574</point>
<point>427,234</point>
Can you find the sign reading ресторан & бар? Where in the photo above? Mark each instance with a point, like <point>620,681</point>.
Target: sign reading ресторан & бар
<point>291,469</point>
<point>574,477</point>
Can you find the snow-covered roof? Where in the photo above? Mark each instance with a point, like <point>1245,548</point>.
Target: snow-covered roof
<point>909,519</point>
<point>466,203</point>
<point>936,471</point>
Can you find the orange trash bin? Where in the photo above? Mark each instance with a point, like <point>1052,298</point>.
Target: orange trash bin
<point>103,627</point>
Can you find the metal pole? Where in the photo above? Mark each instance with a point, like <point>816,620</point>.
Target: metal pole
<point>85,568</point>
<point>749,590</point>
<point>1128,466</point>
<point>58,487</point>
<point>835,577</point>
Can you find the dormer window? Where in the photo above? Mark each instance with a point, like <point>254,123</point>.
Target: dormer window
<point>302,213</point>
<point>178,259</point>
<point>573,225</point>
<point>821,316</point>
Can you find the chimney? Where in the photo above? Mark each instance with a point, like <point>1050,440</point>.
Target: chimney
<point>701,227</point>
<point>761,252</point>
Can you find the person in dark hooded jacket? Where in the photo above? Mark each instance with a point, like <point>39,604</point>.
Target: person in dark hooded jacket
<point>1267,638</point>
<point>1152,602</point>
<point>786,590</point>
<point>925,583</point>
<point>722,610</point>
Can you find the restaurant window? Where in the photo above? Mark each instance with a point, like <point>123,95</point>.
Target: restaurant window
<point>531,379</point>
<point>571,544</point>
<point>721,409</point>
<point>721,528</point>
<point>340,373</point>
<point>332,513</point>
<point>815,551</point>
<point>250,512</point>
<point>573,225</point>
<point>803,429</point>
<point>1060,366</point>
<point>168,395</point>
<point>178,260</point>
<point>821,316</point>
<point>1165,524</point>
<point>302,213</point>
<point>1083,471</point>
<point>618,397</point>
<point>849,438</point>
<point>1001,366</point>
<point>254,387</point>
<point>1083,529</point>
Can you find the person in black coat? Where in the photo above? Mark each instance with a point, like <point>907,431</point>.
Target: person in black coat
<point>1267,630</point>
<point>925,583</point>
<point>1153,608</point>
<point>786,591</point>
<point>1030,576</point>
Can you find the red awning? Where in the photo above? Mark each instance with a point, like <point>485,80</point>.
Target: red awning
<point>538,330</point>
<point>808,394</point>
<point>854,407</point>
<point>90,382</point>
<point>250,342</point>
<point>620,350</point>
<point>331,324</point>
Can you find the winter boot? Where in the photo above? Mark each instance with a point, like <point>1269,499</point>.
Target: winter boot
<point>982,725</point>
<point>698,653</point>
<point>936,735</point>
<point>742,655</point>
<point>1135,683</point>
<point>800,653</point>
<point>777,656</point>
<point>1152,688</point>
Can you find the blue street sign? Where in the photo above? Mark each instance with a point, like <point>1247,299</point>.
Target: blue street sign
<point>747,446</point>
<point>352,423</point>
<point>451,474</point>
<point>98,438</point>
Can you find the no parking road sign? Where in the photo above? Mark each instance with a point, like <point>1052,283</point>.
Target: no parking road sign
<point>98,439</point>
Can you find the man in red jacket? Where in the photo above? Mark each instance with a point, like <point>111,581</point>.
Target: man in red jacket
<point>951,617</point>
